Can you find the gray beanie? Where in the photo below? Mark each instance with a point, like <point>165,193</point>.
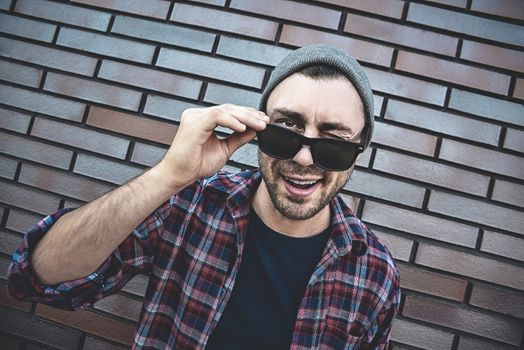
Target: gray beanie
<point>328,55</point>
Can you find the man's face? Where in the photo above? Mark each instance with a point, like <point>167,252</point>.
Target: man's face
<point>332,108</point>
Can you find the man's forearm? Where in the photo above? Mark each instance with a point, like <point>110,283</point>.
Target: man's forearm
<point>80,241</point>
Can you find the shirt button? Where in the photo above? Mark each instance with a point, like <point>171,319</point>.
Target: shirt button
<point>222,292</point>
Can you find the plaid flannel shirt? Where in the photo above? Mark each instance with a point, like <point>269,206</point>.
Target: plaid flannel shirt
<point>191,247</point>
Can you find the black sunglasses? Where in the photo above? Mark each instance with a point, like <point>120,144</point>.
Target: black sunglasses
<point>329,154</point>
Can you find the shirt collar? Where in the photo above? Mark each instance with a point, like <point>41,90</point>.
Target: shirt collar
<point>347,231</point>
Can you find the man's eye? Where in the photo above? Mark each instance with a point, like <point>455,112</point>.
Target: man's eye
<point>289,124</point>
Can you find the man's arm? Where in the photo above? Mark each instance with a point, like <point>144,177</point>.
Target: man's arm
<point>79,242</point>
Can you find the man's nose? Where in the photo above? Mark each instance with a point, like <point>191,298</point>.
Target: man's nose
<point>304,157</point>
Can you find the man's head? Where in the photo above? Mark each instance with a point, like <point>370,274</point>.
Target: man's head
<point>319,92</point>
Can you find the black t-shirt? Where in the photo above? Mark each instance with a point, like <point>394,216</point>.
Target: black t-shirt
<point>270,284</point>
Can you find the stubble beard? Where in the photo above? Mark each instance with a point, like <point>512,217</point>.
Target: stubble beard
<point>295,208</point>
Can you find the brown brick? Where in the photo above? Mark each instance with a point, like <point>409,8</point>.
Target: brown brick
<point>251,50</point>
<point>390,9</point>
<point>140,127</point>
<point>29,199</point>
<point>456,3</point>
<point>41,103</point>
<point>401,138</point>
<point>14,121</point>
<point>21,221</point>
<point>519,89</point>
<point>365,157</point>
<point>63,13</point>
<point>492,55</point>
<point>481,158</point>
<point>8,167</point>
<point>219,94</point>
<point>4,265</point>
<point>498,299</point>
<point>36,151</point>
<point>71,203</point>
<point>429,282</point>
<point>121,306</point>
<point>378,186</point>
<point>399,246</point>
<point>7,341</point>
<point>47,57</point>
<point>488,107</point>
<point>90,322</point>
<point>36,329</point>
<point>298,12</point>
<point>62,183</point>
<point>470,265</point>
<point>106,45</point>
<point>93,91</point>
<point>151,8</point>
<point>211,67</point>
<point>27,28</point>
<point>431,172</point>
<point>9,242</point>
<point>503,245</point>
<point>466,24</point>
<point>456,73</point>
<point>442,122</point>
<point>504,8</point>
<point>224,21</point>
<point>80,137</point>
<point>150,79</point>
<point>166,108</point>
<point>451,315</point>
<point>420,224</point>
<point>401,34</point>
<point>97,344</point>
<point>106,170</point>
<point>508,192</point>
<point>5,4</point>
<point>20,74</point>
<point>147,154</point>
<point>164,33</point>
<point>399,85</point>
<point>212,2</point>
<point>476,211</point>
<point>137,285</point>
<point>425,337</point>
<point>361,50</point>
<point>472,343</point>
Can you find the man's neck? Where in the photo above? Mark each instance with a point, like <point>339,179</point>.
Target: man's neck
<point>263,206</point>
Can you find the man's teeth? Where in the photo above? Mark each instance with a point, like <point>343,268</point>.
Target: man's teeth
<point>301,183</point>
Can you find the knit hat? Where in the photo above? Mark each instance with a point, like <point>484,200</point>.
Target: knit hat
<point>328,55</point>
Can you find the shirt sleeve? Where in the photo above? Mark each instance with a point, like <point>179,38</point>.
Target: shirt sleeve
<point>385,318</point>
<point>135,254</point>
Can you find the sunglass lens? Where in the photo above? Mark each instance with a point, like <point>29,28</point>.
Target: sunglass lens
<point>278,142</point>
<point>334,155</point>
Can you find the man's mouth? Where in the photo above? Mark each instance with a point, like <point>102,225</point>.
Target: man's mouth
<point>302,184</point>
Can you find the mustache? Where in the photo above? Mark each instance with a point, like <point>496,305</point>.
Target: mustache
<point>290,166</point>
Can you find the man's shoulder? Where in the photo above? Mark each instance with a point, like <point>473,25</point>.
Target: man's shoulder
<point>377,252</point>
<point>225,181</point>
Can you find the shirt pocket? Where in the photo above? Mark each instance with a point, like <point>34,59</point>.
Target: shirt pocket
<point>341,334</point>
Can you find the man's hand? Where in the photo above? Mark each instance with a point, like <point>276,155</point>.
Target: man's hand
<point>197,152</point>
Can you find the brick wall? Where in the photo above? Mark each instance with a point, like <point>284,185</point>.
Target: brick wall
<point>92,90</point>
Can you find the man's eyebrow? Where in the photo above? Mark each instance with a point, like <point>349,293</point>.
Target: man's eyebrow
<point>293,115</point>
<point>335,126</point>
<point>299,118</point>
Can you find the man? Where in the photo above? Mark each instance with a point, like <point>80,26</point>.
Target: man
<point>264,259</point>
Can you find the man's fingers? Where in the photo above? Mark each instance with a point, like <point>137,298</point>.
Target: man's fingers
<point>237,118</point>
